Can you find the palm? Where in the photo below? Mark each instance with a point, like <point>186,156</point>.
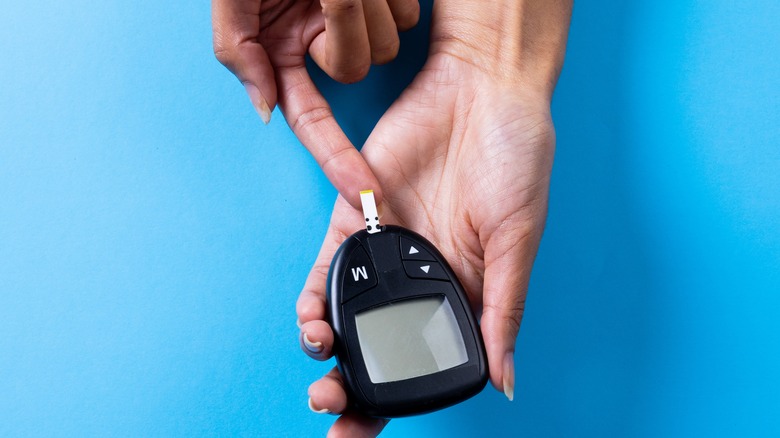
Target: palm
<point>466,166</point>
<point>458,163</point>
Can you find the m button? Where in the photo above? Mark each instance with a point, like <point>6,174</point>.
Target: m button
<point>359,275</point>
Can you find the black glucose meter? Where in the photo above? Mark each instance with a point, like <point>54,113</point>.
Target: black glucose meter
<point>406,341</point>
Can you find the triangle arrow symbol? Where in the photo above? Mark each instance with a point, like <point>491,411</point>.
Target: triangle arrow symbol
<point>413,250</point>
<point>425,268</point>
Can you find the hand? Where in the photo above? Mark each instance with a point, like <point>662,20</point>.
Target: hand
<point>467,165</point>
<point>264,43</point>
<point>464,156</point>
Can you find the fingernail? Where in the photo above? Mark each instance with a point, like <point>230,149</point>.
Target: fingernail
<point>318,411</point>
<point>313,347</point>
<point>298,322</point>
<point>509,375</point>
<point>261,106</point>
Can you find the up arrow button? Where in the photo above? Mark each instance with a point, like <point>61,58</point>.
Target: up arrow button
<point>411,250</point>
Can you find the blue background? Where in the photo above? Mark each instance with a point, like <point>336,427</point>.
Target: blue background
<point>154,234</point>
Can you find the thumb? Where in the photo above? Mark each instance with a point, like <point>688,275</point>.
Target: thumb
<point>509,255</point>
<point>235,25</point>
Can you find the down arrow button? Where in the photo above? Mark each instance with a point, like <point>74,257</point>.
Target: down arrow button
<point>425,269</point>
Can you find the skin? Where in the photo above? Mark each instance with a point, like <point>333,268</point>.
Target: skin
<point>264,43</point>
<point>464,157</point>
<point>472,177</point>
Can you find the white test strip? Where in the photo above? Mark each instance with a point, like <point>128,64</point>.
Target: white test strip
<point>369,211</point>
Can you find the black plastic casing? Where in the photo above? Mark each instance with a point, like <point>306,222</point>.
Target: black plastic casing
<point>417,395</point>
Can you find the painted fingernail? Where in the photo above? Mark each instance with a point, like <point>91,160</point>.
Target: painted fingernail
<point>298,322</point>
<point>509,375</point>
<point>261,106</point>
<point>318,411</point>
<point>313,347</point>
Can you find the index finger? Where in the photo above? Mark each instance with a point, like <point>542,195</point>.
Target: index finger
<point>312,121</point>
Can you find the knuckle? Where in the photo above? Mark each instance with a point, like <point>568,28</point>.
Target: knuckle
<point>513,319</point>
<point>223,50</point>
<point>310,304</point>
<point>334,157</point>
<point>509,318</point>
<point>306,120</point>
<point>320,270</point>
<point>308,300</point>
<point>224,56</point>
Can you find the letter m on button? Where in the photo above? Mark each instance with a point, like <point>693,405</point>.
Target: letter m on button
<point>360,272</point>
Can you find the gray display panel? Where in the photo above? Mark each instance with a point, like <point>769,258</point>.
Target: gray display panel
<point>410,339</point>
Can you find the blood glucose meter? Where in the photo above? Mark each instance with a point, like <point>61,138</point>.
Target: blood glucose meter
<point>406,341</point>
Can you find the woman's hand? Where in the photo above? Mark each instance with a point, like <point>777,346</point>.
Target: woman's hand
<point>464,157</point>
<point>264,43</point>
<point>467,165</point>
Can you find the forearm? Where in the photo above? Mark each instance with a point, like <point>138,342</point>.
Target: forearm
<point>519,42</point>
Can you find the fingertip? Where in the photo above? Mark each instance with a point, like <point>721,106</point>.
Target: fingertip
<point>352,182</point>
<point>386,54</point>
<point>352,425</point>
<point>352,74</point>
<point>313,348</point>
<point>328,394</point>
<point>499,346</point>
<point>317,410</point>
<point>258,102</point>
<point>316,339</point>
<point>347,56</point>
<point>355,70</point>
<point>503,377</point>
<point>508,377</point>
<point>406,14</point>
<point>249,62</point>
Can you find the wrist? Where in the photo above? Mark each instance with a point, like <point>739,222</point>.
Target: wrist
<point>513,42</point>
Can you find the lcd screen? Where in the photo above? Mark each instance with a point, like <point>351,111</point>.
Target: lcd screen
<point>411,338</point>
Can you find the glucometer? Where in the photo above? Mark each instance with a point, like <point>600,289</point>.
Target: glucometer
<point>406,341</point>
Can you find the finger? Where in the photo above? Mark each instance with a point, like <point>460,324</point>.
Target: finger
<point>312,120</point>
<point>343,50</point>
<point>405,12</point>
<point>317,339</point>
<point>235,27</point>
<point>327,395</point>
<point>311,301</point>
<point>509,255</point>
<point>354,425</point>
<point>382,31</point>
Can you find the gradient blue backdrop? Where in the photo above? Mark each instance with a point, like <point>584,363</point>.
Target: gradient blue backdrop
<point>154,234</point>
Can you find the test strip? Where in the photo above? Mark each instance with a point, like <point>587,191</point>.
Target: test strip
<point>369,211</point>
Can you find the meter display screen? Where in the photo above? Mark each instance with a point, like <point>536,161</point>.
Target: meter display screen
<point>409,339</point>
